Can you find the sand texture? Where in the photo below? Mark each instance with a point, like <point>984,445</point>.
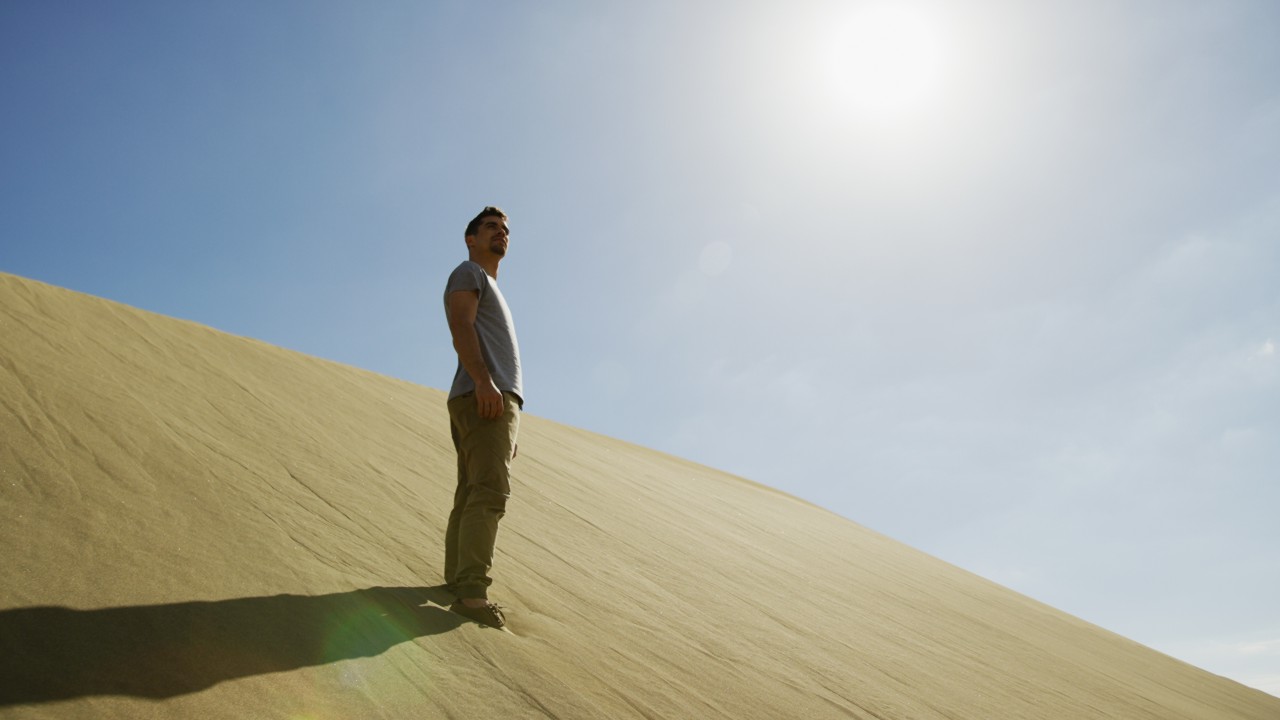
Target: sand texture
<point>200,525</point>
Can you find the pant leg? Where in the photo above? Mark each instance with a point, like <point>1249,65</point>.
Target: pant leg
<point>455,515</point>
<point>484,451</point>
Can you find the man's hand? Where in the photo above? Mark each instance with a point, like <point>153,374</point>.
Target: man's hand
<point>489,401</point>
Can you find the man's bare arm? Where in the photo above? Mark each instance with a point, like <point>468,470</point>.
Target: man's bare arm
<point>462,306</point>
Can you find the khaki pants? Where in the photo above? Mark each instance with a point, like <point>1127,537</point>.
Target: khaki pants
<point>485,449</point>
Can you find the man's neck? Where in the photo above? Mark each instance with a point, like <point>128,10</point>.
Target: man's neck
<point>489,264</point>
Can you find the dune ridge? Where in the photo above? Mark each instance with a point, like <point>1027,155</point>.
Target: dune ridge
<point>198,524</point>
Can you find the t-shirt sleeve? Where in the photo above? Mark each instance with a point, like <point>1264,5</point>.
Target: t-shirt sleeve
<point>465,277</point>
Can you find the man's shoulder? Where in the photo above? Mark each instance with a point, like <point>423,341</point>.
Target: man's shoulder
<point>467,276</point>
<point>468,266</point>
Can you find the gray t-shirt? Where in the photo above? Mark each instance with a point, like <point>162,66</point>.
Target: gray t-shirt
<point>495,328</point>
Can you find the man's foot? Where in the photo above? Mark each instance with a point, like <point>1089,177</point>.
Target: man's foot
<point>486,614</point>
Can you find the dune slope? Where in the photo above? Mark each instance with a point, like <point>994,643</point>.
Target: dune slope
<point>201,525</point>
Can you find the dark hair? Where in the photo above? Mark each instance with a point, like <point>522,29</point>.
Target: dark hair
<point>488,211</point>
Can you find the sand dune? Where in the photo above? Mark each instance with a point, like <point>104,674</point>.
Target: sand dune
<point>202,525</point>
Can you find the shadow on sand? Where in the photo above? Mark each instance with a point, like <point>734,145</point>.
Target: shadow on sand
<point>159,651</point>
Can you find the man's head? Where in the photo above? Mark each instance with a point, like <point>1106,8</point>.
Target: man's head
<point>487,234</point>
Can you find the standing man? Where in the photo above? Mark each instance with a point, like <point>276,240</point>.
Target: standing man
<point>484,413</point>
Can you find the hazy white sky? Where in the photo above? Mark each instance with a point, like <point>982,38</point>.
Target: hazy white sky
<point>998,279</point>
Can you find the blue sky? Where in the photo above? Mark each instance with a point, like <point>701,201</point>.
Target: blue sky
<point>998,279</point>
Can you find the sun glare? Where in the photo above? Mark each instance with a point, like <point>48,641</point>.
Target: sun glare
<point>886,61</point>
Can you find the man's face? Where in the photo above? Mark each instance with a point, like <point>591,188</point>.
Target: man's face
<point>491,237</point>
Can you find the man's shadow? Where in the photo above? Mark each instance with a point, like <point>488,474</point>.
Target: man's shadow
<point>159,651</point>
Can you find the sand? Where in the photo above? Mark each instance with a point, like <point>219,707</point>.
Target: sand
<point>202,525</point>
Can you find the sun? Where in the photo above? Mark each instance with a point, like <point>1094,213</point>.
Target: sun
<point>886,60</point>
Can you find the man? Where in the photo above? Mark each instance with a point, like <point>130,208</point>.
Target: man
<point>484,414</point>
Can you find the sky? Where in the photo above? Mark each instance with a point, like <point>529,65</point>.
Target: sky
<point>998,279</point>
